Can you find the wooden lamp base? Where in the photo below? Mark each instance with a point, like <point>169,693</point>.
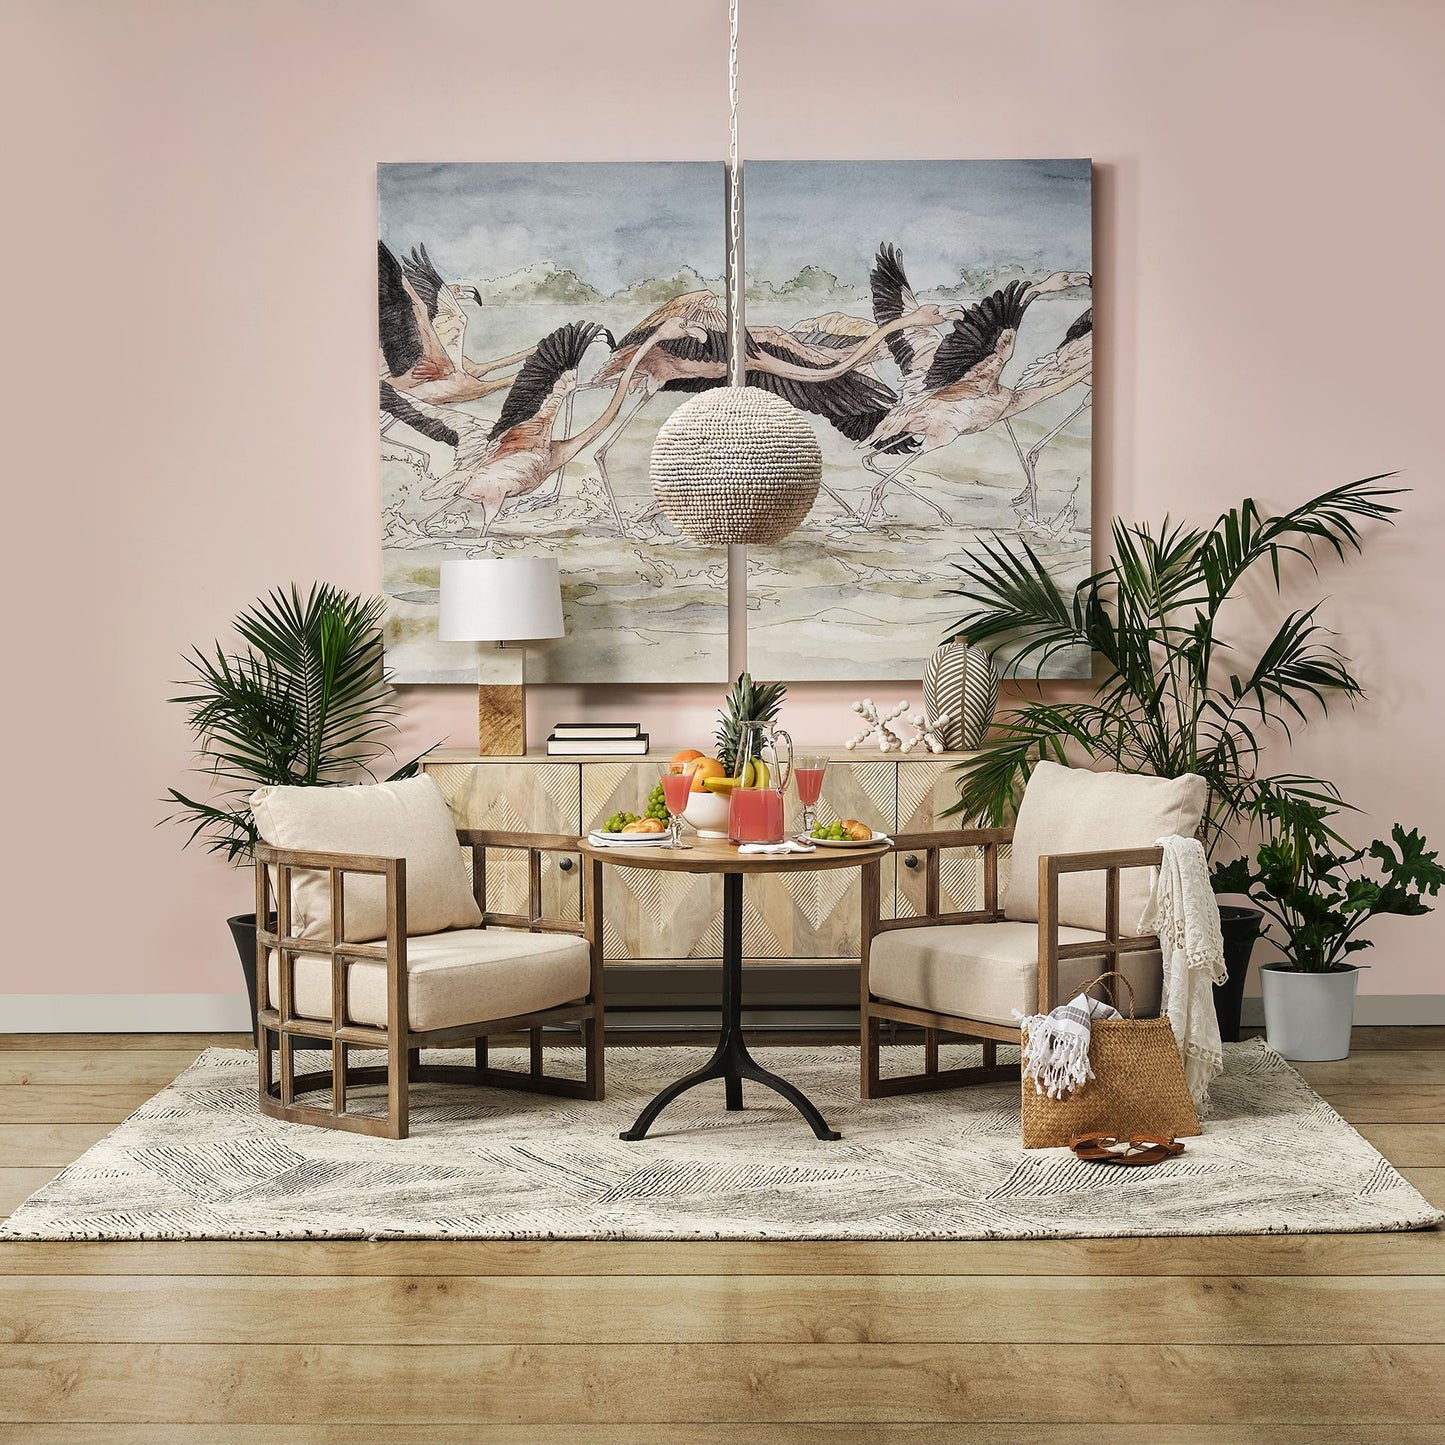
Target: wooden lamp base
<point>502,720</point>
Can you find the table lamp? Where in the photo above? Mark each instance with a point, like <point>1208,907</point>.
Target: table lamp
<point>501,600</point>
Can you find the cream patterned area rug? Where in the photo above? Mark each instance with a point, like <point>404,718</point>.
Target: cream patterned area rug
<point>199,1162</point>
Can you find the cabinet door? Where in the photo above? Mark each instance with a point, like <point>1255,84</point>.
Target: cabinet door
<point>926,788</point>
<point>648,914</point>
<point>526,797</point>
<point>817,915</point>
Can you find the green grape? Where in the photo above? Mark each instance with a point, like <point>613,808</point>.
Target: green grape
<point>656,806</point>
<point>831,831</point>
<point>618,821</point>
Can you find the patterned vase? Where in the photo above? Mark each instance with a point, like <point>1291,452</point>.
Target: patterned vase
<point>960,680</point>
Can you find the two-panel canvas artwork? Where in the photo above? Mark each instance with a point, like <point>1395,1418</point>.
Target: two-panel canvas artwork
<point>539,321</point>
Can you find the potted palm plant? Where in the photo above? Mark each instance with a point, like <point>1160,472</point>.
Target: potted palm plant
<point>304,703</point>
<point>1177,696</point>
<point>1321,892</point>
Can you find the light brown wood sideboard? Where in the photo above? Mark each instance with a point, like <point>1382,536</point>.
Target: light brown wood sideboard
<point>663,931</point>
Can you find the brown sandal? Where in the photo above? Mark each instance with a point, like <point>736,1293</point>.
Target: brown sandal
<point>1106,1149</point>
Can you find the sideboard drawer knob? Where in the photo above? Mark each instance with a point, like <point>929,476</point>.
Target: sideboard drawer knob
<point>567,864</point>
<point>910,860</point>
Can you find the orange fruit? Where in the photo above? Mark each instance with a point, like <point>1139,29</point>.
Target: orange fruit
<point>703,769</point>
<point>687,755</point>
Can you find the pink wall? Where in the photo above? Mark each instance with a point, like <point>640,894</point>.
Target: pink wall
<point>189,298</point>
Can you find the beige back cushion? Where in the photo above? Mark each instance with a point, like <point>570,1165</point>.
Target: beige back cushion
<point>1071,810</point>
<point>408,819</point>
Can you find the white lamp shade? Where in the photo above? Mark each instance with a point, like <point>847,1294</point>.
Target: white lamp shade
<point>505,599</point>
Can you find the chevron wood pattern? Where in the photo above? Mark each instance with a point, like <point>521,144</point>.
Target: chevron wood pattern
<point>653,917</point>
<point>926,788</point>
<point>647,914</point>
<point>536,797</point>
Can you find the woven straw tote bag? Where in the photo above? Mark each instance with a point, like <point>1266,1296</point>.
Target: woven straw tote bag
<point>1138,1086</point>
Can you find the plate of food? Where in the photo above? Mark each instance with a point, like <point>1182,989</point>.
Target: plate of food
<point>846,833</point>
<point>632,828</point>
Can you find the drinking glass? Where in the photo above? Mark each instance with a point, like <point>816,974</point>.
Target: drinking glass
<point>676,788</point>
<point>808,772</point>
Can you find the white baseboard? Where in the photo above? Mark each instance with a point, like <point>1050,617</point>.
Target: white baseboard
<point>215,1013</point>
<point>1372,1008</point>
<point>124,1013</point>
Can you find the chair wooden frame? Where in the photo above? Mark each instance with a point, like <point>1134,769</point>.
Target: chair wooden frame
<point>873,1010</point>
<point>403,1045</point>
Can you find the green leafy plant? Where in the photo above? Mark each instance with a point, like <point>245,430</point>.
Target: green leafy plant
<point>747,701</point>
<point>305,703</point>
<point>1176,698</point>
<point>1320,890</point>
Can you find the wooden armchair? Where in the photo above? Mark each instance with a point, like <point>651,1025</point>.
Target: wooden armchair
<point>514,972</point>
<point>964,972</point>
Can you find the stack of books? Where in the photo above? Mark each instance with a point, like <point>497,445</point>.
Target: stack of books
<point>597,740</point>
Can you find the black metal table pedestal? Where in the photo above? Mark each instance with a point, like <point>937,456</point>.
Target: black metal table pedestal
<point>731,1061</point>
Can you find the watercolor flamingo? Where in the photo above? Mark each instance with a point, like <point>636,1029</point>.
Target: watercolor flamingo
<point>813,377</point>
<point>422,330</point>
<point>1070,362</point>
<point>951,384</point>
<point>519,453</point>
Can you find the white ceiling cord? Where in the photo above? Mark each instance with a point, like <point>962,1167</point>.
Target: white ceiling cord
<point>735,210</point>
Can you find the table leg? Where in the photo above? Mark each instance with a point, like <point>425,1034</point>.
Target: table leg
<point>731,1061</point>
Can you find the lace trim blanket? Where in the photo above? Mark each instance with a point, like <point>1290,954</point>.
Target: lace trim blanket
<point>1182,911</point>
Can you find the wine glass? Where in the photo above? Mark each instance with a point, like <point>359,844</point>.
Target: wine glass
<point>676,788</point>
<point>808,772</point>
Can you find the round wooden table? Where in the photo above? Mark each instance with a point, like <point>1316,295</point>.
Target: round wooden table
<point>731,1061</point>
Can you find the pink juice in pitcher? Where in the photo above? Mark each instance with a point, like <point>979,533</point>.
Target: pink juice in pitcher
<point>755,815</point>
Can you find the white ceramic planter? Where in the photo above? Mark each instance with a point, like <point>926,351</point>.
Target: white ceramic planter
<point>708,813</point>
<point>1307,1016</point>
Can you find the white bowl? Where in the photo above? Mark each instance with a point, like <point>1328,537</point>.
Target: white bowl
<point>708,813</point>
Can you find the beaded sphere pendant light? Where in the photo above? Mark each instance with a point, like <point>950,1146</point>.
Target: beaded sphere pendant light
<point>736,464</point>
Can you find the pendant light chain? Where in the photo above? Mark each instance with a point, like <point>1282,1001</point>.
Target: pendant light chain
<point>735,465</point>
<point>735,209</point>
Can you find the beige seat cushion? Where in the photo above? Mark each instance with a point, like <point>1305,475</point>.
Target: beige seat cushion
<point>1071,810</point>
<point>407,819</point>
<point>464,977</point>
<point>986,970</point>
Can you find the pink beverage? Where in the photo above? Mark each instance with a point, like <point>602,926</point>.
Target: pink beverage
<point>756,816</point>
<point>810,784</point>
<point>676,789</point>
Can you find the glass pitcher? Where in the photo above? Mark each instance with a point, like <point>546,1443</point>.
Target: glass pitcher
<point>764,766</point>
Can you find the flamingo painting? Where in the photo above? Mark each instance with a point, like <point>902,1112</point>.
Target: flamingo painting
<point>519,453</point>
<point>952,385</point>
<point>951,396</point>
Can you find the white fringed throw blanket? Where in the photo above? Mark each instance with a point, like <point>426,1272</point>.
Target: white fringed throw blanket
<point>1182,911</point>
<point>1056,1045</point>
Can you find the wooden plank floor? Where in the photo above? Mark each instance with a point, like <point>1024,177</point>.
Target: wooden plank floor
<point>1316,1340</point>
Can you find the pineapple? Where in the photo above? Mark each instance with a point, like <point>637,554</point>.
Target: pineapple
<point>747,701</point>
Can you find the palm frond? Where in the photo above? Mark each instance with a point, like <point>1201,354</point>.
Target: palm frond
<point>1173,700</point>
<point>306,703</point>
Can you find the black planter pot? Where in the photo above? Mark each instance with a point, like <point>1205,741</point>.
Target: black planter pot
<point>1239,927</point>
<point>243,932</point>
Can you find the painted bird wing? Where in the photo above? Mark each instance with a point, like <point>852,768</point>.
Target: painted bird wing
<point>401,346</point>
<point>557,353</point>
<point>853,403</point>
<point>913,348</point>
<point>700,307</point>
<point>1074,354</point>
<point>982,342</point>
